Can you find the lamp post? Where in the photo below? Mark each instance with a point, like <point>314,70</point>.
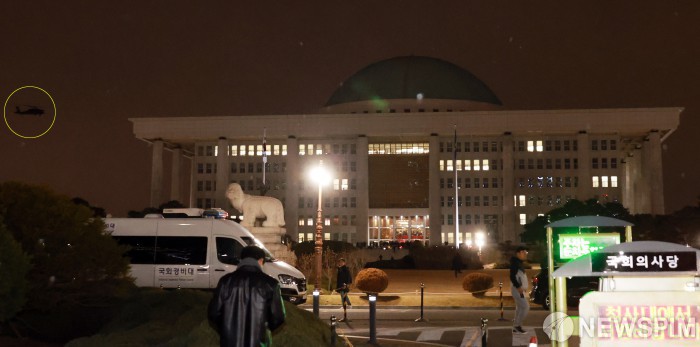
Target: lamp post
<point>480,240</point>
<point>320,176</point>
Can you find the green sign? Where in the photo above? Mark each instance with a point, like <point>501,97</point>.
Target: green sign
<point>572,246</point>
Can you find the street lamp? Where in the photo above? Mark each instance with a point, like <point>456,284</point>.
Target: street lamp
<point>321,176</point>
<point>480,240</point>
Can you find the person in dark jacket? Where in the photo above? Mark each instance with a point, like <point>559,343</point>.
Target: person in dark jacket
<point>247,303</point>
<point>343,281</point>
<point>518,288</point>
<point>457,264</point>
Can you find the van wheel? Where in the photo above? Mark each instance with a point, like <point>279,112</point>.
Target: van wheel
<point>545,303</point>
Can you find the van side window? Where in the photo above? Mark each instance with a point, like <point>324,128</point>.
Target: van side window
<point>181,250</point>
<point>228,250</point>
<point>140,249</point>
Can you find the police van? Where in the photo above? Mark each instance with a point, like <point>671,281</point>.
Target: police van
<point>194,253</point>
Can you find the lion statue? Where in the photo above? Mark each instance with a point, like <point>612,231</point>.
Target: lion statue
<point>254,207</point>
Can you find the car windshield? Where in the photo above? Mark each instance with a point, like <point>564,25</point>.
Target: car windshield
<point>249,241</point>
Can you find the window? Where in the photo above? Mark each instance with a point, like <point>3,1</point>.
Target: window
<point>485,164</point>
<point>596,181</point>
<point>603,145</point>
<point>141,249</point>
<point>344,185</point>
<point>538,146</point>
<point>603,163</point>
<point>228,250</point>
<point>613,181</point>
<point>181,250</point>
<point>449,165</point>
<point>467,165</point>
<point>531,146</point>
<point>613,163</point>
<point>604,181</point>
<point>521,200</point>
<point>523,219</point>
<point>301,221</point>
<point>594,145</point>
<point>594,163</point>
<point>336,184</point>
<point>477,165</point>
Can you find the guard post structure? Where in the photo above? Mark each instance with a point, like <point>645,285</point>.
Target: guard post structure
<point>500,294</point>
<point>557,283</point>
<point>372,318</point>
<point>333,333</point>
<point>316,295</point>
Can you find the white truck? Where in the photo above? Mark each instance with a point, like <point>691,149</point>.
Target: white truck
<point>194,253</point>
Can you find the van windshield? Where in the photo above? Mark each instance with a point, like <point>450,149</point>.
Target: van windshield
<point>249,241</point>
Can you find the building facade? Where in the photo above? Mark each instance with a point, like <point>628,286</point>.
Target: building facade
<point>419,149</point>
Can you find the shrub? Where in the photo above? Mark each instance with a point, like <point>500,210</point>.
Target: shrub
<point>14,265</point>
<point>440,257</point>
<point>477,283</point>
<point>307,247</point>
<point>372,280</point>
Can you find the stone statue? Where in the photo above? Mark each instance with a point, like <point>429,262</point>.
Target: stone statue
<point>254,207</point>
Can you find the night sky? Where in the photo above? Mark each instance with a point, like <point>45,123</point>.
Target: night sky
<point>104,62</point>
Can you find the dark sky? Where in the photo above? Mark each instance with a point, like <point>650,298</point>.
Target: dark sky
<point>103,62</point>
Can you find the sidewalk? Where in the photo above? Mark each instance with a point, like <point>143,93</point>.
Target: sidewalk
<point>442,289</point>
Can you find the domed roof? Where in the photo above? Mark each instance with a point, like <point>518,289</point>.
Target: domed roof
<point>413,77</point>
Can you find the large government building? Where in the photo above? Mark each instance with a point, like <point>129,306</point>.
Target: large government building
<point>419,149</point>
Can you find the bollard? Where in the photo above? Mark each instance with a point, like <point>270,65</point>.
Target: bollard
<point>333,324</point>
<point>372,319</point>
<point>500,294</point>
<point>484,332</point>
<point>317,293</point>
<point>421,319</point>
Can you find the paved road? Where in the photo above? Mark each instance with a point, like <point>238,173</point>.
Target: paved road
<point>449,327</point>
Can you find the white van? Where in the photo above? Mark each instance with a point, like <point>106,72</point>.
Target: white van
<point>194,253</point>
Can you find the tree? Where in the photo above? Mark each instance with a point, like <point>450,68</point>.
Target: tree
<point>535,231</point>
<point>14,265</point>
<point>73,261</point>
<point>96,211</point>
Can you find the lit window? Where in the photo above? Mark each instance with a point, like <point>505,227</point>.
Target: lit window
<point>521,200</point>
<point>613,181</point>
<point>216,150</point>
<point>539,146</point>
<point>449,165</point>
<point>459,165</point>
<point>477,167</point>
<point>284,149</point>
<point>309,236</point>
<point>442,165</point>
<point>531,146</point>
<point>301,221</point>
<point>467,165</point>
<point>310,221</point>
<point>276,149</point>
<point>327,221</point>
<point>310,149</point>
<point>258,150</point>
<point>523,219</point>
<point>485,164</point>
<point>326,236</point>
<point>234,151</point>
<point>345,184</point>
<point>336,184</point>
<point>301,237</point>
<point>596,181</point>
<point>319,149</point>
<point>242,150</point>
<point>604,181</point>
<point>251,150</point>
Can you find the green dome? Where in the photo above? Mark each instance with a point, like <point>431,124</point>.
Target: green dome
<point>410,78</point>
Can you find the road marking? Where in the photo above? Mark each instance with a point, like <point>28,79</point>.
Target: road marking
<point>473,338</point>
<point>431,335</point>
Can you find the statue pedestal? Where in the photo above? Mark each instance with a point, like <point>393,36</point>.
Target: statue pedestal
<point>271,237</point>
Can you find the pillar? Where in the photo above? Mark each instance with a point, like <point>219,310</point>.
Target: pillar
<point>222,170</point>
<point>157,174</point>
<point>362,219</point>
<point>434,191</point>
<point>654,169</point>
<point>175,175</point>
<point>510,230</point>
<point>291,192</point>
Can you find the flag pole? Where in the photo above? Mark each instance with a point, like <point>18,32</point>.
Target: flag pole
<point>456,202</point>
<point>264,158</point>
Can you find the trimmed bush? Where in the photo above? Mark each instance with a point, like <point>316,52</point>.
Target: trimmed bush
<point>372,280</point>
<point>477,283</point>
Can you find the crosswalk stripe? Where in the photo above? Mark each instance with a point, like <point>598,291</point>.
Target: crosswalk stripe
<point>430,335</point>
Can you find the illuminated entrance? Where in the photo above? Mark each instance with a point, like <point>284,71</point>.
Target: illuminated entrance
<point>398,228</point>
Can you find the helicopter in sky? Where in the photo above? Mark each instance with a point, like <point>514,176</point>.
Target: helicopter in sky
<point>29,110</point>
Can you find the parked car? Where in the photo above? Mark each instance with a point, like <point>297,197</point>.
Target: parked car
<point>576,287</point>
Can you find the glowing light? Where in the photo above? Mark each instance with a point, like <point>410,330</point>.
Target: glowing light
<point>419,96</point>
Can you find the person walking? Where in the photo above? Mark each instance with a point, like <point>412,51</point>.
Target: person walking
<point>518,288</point>
<point>457,264</point>
<point>247,304</point>
<point>342,282</point>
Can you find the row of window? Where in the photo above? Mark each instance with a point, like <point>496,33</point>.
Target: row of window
<point>257,150</point>
<point>327,202</point>
<point>568,164</point>
<point>475,146</point>
<point>260,150</point>
<point>475,182</point>
<point>547,182</point>
<point>540,200</point>
<point>347,237</point>
<point>325,149</point>
<point>328,220</point>
<point>549,145</point>
<point>467,219</point>
<point>604,181</point>
<point>469,165</point>
<point>338,184</point>
<point>471,200</point>
<point>399,148</point>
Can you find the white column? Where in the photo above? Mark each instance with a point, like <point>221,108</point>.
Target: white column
<point>510,229</point>
<point>362,175</point>
<point>434,191</point>
<point>654,169</point>
<point>157,174</point>
<point>222,170</point>
<point>175,175</point>
<point>291,193</point>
